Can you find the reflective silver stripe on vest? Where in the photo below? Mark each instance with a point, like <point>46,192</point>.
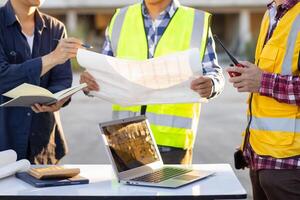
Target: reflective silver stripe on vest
<point>198,29</point>
<point>124,114</point>
<point>169,120</point>
<point>276,124</point>
<point>160,120</point>
<point>288,58</point>
<point>116,29</point>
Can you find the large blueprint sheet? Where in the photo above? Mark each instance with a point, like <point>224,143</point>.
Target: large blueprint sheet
<point>162,80</point>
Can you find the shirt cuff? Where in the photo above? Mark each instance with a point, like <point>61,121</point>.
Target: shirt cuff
<point>267,84</point>
<point>33,70</point>
<point>213,89</point>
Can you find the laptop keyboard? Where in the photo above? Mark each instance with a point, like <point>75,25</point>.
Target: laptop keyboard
<point>162,175</point>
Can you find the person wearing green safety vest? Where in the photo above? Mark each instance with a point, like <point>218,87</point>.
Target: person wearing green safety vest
<point>154,28</point>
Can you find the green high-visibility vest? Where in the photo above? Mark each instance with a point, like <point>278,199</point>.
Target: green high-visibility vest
<point>173,125</point>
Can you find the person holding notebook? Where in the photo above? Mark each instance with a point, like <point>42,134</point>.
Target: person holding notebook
<point>30,53</point>
<point>154,28</point>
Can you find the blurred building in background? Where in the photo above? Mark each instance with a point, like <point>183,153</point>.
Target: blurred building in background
<point>236,22</point>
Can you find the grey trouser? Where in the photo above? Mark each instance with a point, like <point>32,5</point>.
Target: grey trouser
<point>176,155</point>
<point>275,184</point>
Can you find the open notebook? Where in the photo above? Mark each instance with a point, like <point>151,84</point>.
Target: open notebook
<point>26,95</point>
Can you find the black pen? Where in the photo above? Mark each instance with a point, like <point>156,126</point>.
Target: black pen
<point>87,46</point>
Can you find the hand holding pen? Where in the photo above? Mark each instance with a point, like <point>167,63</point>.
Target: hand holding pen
<point>66,49</point>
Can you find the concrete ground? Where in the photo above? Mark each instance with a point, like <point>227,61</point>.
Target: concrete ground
<point>221,123</point>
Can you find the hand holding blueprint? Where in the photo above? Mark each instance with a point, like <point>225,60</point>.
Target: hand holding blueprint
<point>162,80</point>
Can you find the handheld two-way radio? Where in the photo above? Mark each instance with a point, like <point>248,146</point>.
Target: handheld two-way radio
<point>233,59</point>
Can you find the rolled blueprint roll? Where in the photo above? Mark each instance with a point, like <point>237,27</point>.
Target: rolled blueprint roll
<point>8,164</point>
<point>7,157</point>
<point>13,168</point>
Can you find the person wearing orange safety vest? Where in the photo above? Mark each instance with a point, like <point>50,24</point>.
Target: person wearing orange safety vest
<point>154,28</point>
<point>272,142</point>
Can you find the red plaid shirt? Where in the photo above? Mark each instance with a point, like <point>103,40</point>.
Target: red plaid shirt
<point>285,89</point>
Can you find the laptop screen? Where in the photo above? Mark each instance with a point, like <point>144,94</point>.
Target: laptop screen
<point>130,144</point>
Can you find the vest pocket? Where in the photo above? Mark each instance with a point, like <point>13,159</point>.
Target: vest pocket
<point>274,126</point>
<point>281,134</point>
<point>268,58</point>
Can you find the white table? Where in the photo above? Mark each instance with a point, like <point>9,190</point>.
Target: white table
<point>103,185</point>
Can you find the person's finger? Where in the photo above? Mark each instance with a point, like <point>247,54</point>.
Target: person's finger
<point>88,75</point>
<point>239,84</point>
<point>68,53</point>
<point>44,108</point>
<point>194,86</point>
<point>35,105</point>
<point>203,87</point>
<point>236,79</point>
<point>86,78</point>
<point>70,50</point>
<point>194,83</point>
<point>38,110</point>
<point>72,55</point>
<point>236,69</point>
<point>64,100</point>
<point>55,107</point>
<point>81,80</point>
<point>90,81</point>
<point>50,108</point>
<point>72,40</point>
<point>200,81</point>
<point>34,109</point>
<point>65,50</point>
<point>71,45</point>
<point>243,89</point>
<point>75,40</point>
<point>93,85</point>
<point>205,84</point>
<point>204,93</point>
<point>39,107</point>
<point>246,63</point>
<point>93,88</point>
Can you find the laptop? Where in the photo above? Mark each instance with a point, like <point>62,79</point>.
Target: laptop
<point>136,159</point>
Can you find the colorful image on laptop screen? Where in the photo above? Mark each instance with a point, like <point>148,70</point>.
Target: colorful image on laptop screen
<point>130,144</point>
